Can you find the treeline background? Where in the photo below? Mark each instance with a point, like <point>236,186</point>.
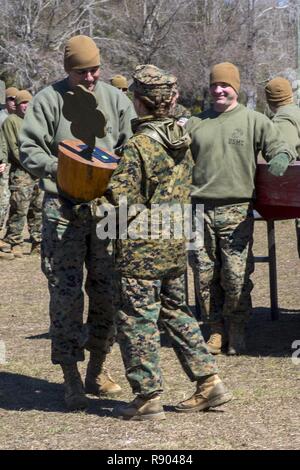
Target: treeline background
<point>184,36</point>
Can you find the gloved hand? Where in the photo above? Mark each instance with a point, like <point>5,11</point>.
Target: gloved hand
<point>279,164</point>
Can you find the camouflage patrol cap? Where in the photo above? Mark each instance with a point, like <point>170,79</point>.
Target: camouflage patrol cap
<point>155,87</point>
<point>148,77</point>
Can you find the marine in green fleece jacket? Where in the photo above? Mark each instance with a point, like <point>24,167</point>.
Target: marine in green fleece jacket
<point>225,143</point>
<point>69,232</point>
<point>286,118</point>
<point>26,197</point>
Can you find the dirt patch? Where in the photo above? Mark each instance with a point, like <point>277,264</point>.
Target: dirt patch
<point>265,413</point>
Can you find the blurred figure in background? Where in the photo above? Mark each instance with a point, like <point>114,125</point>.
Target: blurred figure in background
<point>286,118</point>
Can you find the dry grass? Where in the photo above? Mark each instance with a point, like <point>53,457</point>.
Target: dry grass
<point>264,415</point>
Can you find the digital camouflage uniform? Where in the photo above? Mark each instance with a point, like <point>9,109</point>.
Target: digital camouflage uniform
<point>26,197</point>
<point>71,244</point>
<point>222,267</point>
<point>155,169</point>
<point>69,230</point>
<point>4,181</point>
<point>225,148</point>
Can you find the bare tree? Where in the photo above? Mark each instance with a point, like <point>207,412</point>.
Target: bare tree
<point>34,31</point>
<point>184,36</point>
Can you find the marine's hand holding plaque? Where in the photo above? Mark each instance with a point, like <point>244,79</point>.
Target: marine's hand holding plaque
<point>84,169</point>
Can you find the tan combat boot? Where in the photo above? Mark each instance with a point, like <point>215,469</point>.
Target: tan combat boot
<point>217,339</point>
<point>6,256</point>
<point>5,247</point>
<point>5,251</point>
<point>210,393</point>
<point>75,398</point>
<point>98,380</point>
<point>17,251</point>
<point>237,343</point>
<point>142,409</point>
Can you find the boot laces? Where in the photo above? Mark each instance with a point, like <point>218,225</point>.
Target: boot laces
<point>213,336</point>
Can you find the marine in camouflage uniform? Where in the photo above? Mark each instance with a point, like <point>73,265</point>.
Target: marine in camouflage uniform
<point>4,179</point>
<point>10,108</point>
<point>286,118</point>
<point>69,229</point>
<point>155,170</point>
<point>226,140</point>
<point>26,197</point>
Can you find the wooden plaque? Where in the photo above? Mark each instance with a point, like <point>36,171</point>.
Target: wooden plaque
<point>83,174</point>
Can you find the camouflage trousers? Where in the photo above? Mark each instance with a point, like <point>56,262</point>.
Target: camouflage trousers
<point>25,206</point>
<point>69,243</point>
<point>297,224</point>
<point>223,265</point>
<point>4,195</point>
<point>142,303</point>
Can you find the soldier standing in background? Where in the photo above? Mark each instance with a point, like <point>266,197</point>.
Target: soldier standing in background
<point>26,197</point>
<point>10,108</point>
<point>69,239</point>
<point>10,104</point>
<point>226,140</point>
<point>286,118</point>
<point>156,169</point>
<point>4,192</point>
<point>120,82</point>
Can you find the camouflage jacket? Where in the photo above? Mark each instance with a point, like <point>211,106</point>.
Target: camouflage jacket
<point>155,170</point>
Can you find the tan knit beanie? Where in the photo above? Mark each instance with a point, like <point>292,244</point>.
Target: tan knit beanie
<point>279,92</point>
<point>23,96</point>
<point>81,52</point>
<point>227,73</point>
<point>119,82</point>
<point>11,92</point>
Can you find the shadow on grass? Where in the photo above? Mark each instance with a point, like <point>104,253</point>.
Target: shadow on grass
<point>264,337</point>
<point>272,338</point>
<point>41,336</point>
<point>23,393</point>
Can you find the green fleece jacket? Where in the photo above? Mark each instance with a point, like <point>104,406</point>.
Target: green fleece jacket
<point>11,130</point>
<point>287,121</point>
<point>45,127</point>
<point>225,148</point>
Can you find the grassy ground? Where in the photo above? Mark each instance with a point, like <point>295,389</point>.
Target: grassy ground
<point>265,413</point>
